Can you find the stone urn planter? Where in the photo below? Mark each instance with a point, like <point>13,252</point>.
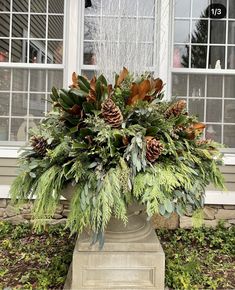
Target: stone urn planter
<point>131,258</point>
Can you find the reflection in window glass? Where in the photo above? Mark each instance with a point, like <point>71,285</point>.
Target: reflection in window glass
<point>38,6</point>
<point>4,50</point>
<point>231,58</point>
<point>37,26</point>
<point>20,6</point>
<point>19,50</point>
<point>182,31</point>
<point>5,5</point>
<point>4,129</point>
<point>199,31</point>
<point>56,6</point>
<point>232,9</point>
<point>5,78</point>
<point>196,85</point>
<point>213,132</point>
<point>4,104</point>
<point>5,25</point>
<point>198,56</point>
<point>214,86</point>
<point>182,8</point>
<point>37,80</point>
<point>196,107</point>
<point>179,85</point>
<point>55,52</point>
<point>200,8</point>
<point>55,27</point>
<point>181,56</point>
<point>19,25</point>
<point>37,50</point>
<point>229,87</point>
<point>20,79</point>
<point>37,104</point>
<point>213,110</point>
<point>216,57</point>
<point>229,111</point>
<point>19,104</point>
<point>229,135</point>
<point>217,31</point>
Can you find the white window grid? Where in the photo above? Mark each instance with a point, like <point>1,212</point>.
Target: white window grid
<point>47,67</point>
<point>27,34</point>
<point>90,70</point>
<point>223,72</point>
<point>207,44</point>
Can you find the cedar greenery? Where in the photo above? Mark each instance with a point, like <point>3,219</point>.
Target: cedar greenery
<point>116,145</point>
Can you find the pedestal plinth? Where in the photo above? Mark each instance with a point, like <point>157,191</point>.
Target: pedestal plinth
<point>132,258</point>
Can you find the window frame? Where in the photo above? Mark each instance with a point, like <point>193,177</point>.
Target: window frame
<point>229,153</point>
<point>4,145</point>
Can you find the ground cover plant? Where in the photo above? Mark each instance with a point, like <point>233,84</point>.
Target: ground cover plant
<point>201,258</point>
<point>30,260</point>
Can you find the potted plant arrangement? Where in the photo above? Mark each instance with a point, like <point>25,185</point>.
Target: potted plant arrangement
<point>115,146</point>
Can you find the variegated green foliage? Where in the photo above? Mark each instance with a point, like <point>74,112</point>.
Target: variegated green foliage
<point>108,166</point>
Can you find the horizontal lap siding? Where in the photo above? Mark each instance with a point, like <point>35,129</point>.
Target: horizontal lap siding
<point>8,170</point>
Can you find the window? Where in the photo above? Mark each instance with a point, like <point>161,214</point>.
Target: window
<point>31,62</point>
<point>120,33</point>
<point>203,64</point>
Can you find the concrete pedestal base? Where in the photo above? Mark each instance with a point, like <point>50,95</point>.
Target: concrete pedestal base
<point>132,258</point>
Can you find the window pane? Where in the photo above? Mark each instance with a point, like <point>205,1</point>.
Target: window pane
<point>19,50</point>
<point>4,128</point>
<point>55,52</point>
<point>181,56</point>
<point>19,104</point>
<point>19,25</point>
<point>38,6</point>
<point>20,6</point>
<point>37,105</point>
<point>179,85</point>
<point>5,78</point>
<point>89,53</point>
<point>182,31</point>
<point>4,50</point>
<point>91,28</point>
<point>196,107</point>
<point>214,111</point>
<point>55,27</point>
<point>145,8</point>
<point>231,9</point>
<point>56,6</point>
<point>229,84</point>
<point>5,5</point>
<point>217,31</point>
<point>200,7</point>
<point>4,104</point>
<point>88,73</point>
<point>182,8</point>
<point>37,26</point>
<point>231,57</point>
<point>37,80</point>
<point>20,80</point>
<point>213,132</point>
<point>196,85</point>
<point>37,51</point>
<point>229,111</point>
<point>198,56</point>
<point>231,32</point>
<point>199,31</point>
<point>229,135</point>
<point>130,7</point>
<point>214,86</point>
<point>5,25</point>
<point>216,57</point>
<point>18,129</point>
<point>55,78</point>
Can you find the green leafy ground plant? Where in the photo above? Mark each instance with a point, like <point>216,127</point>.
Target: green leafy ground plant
<point>116,145</point>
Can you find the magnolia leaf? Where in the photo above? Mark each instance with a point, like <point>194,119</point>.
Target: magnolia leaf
<point>74,80</point>
<point>124,73</point>
<point>158,85</point>
<point>75,110</point>
<point>93,83</point>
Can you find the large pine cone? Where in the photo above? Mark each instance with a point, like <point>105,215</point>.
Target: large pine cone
<point>39,145</point>
<point>111,113</point>
<point>176,109</point>
<point>153,148</point>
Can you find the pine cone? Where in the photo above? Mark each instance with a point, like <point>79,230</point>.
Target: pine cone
<point>111,113</point>
<point>176,109</point>
<point>176,131</point>
<point>39,145</point>
<point>153,148</point>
